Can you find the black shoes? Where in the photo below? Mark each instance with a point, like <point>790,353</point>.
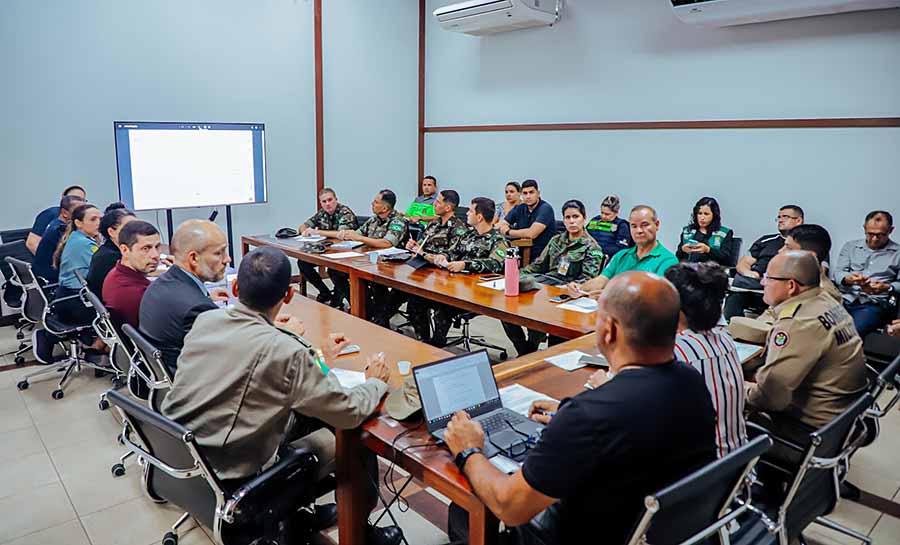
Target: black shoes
<point>325,516</point>
<point>324,297</point>
<point>386,535</point>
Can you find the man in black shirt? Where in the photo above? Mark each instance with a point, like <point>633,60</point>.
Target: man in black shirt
<point>750,268</point>
<point>532,219</point>
<point>607,448</point>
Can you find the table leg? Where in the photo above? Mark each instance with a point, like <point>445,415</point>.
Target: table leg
<point>351,485</point>
<point>484,528</point>
<point>357,295</point>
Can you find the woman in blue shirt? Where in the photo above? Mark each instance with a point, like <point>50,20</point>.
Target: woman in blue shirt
<point>74,253</point>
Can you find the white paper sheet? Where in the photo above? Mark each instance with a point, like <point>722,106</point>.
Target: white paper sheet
<point>747,351</point>
<point>310,238</point>
<point>585,305</point>
<point>348,379</point>
<point>343,255</point>
<point>518,398</point>
<point>499,285</point>
<point>389,251</point>
<point>346,245</point>
<point>567,361</point>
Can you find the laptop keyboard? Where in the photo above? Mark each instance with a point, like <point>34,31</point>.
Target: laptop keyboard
<point>498,421</point>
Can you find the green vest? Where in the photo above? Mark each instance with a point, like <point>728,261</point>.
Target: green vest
<point>715,238</point>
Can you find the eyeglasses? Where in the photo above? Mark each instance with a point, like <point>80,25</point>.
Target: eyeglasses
<point>780,278</point>
<point>785,217</point>
<point>877,235</point>
<point>517,448</point>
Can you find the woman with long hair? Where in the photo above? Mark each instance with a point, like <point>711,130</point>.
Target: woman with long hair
<point>114,218</point>
<point>512,197</point>
<point>74,253</point>
<point>705,238</point>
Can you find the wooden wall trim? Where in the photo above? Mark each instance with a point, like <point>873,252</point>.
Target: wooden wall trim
<point>320,122</point>
<point>815,123</point>
<point>420,172</point>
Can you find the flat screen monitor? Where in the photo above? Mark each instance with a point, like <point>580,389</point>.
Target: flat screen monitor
<point>190,164</point>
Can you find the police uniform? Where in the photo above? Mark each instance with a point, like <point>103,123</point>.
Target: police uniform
<point>566,260</point>
<point>814,365</point>
<point>342,219</point>
<point>395,229</point>
<point>719,241</point>
<point>481,253</point>
<point>755,330</point>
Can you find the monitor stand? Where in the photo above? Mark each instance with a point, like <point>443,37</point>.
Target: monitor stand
<point>228,228</point>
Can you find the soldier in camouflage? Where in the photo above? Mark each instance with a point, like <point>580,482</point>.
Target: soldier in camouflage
<point>331,218</point>
<point>386,228</point>
<point>445,231</point>
<point>480,250</point>
<point>571,256</point>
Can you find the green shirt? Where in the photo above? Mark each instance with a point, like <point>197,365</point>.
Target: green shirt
<point>658,261</point>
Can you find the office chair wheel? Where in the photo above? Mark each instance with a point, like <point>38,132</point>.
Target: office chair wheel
<point>22,385</point>
<point>118,470</point>
<point>171,538</point>
<point>20,336</point>
<point>504,356</point>
<point>57,394</point>
<point>103,405</point>
<point>20,360</point>
<point>119,382</point>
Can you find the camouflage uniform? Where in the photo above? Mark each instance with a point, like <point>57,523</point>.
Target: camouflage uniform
<point>438,236</point>
<point>395,229</point>
<point>481,254</point>
<point>565,260</point>
<point>343,218</point>
<point>562,261</point>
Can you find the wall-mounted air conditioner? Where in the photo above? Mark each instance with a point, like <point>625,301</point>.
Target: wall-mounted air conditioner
<point>479,17</point>
<point>741,12</point>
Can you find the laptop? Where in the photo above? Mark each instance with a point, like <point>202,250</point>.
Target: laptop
<point>466,382</point>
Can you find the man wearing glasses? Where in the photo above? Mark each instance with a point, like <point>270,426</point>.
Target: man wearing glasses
<point>814,365</point>
<point>868,272</point>
<point>750,268</point>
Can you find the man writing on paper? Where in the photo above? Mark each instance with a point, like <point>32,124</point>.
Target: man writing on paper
<point>599,455</point>
<point>480,250</point>
<point>249,385</point>
<point>648,254</point>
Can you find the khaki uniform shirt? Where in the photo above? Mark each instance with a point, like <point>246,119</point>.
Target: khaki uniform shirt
<point>343,218</point>
<point>438,236</point>
<point>393,228</point>
<point>755,330</point>
<point>814,364</point>
<point>239,381</point>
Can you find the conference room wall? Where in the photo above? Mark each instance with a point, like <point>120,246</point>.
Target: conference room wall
<point>620,60</point>
<point>370,64</point>
<point>71,68</point>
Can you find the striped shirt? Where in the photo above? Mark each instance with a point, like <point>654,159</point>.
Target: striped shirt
<point>714,355</point>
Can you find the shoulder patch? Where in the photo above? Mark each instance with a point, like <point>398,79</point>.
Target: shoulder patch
<point>789,311</point>
<point>396,227</point>
<point>781,339</point>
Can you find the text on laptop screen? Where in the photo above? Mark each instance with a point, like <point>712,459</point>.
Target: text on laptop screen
<point>462,383</point>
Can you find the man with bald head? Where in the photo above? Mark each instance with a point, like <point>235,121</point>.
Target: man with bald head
<point>175,299</point>
<point>600,454</point>
<point>814,366</point>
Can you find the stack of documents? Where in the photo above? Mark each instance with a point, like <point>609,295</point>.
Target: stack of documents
<point>518,398</point>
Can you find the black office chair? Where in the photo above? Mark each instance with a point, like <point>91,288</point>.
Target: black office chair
<point>120,353</point>
<point>880,349</point>
<point>736,243</point>
<point>813,490</point>
<point>14,295</point>
<point>703,503</point>
<point>38,307</point>
<point>14,235</point>
<point>268,507</point>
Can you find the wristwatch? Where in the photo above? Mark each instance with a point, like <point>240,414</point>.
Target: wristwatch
<point>463,456</point>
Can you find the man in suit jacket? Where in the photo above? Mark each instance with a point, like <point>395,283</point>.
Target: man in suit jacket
<point>175,299</point>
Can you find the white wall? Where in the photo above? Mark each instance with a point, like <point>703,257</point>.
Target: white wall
<point>621,60</point>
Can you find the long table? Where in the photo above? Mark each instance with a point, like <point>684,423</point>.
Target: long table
<point>532,309</point>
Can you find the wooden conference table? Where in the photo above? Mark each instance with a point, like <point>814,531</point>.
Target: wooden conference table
<point>432,465</point>
<point>533,309</point>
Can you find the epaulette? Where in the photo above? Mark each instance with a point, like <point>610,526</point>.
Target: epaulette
<point>790,310</point>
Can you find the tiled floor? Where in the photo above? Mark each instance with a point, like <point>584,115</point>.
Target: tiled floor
<point>56,486</point>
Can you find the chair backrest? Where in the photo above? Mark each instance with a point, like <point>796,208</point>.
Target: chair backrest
<point>175,469</point>
<point>35,301</point>
<point>13,294</point>
<point>814,491</point>
<point>148,365</point>
<point>888,379</point>
<point>14,235</point>
<point>736,243</point>
<point>461,212</point>
<point>121,350</point>
<point>700,504</point>
<point>880,349</point>
<point>81,279</point>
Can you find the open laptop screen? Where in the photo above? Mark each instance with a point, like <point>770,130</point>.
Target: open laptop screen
<point>465,382</point>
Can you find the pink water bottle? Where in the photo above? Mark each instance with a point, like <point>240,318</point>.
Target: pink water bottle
<point>511,271</point>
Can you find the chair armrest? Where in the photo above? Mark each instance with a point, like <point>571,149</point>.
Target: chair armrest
<point>273,482</point>
<point>53,303</point>
<point>755,430</point>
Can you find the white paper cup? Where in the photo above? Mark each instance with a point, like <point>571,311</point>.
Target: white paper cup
<point>403,367</point>
<point>373,257</point>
